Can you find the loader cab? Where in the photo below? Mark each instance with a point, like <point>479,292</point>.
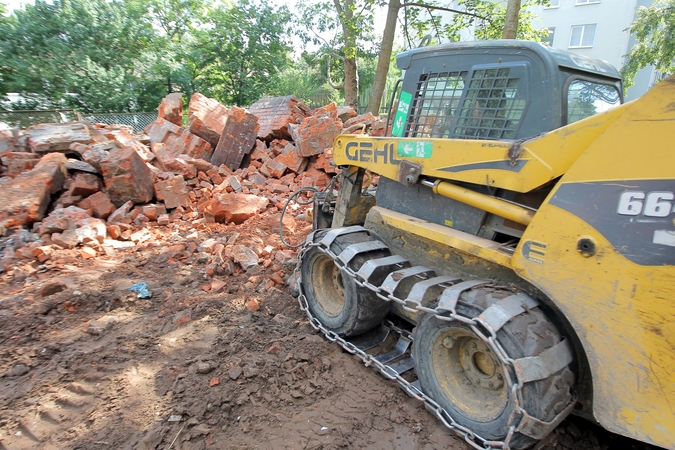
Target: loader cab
<point>490,90</point>
<point>498,90</point>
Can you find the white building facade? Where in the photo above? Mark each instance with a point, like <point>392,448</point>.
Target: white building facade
<point>597,29</point>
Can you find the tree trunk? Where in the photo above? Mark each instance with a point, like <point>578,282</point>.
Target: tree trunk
<point>351,84</point>
<point>511,19</point>
<point>380,81</point>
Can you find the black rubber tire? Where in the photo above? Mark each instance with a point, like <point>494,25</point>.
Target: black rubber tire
<point>527,334</point>
<point>344,308</point>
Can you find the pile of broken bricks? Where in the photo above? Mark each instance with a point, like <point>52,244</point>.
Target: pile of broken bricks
<point>96,188</point>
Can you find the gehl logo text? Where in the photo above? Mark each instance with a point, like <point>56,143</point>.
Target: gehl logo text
<point>367,152</point>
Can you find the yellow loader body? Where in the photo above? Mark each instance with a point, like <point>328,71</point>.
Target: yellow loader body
<point>601,246</point>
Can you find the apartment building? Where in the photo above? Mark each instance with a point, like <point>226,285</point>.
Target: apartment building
<point>598,29</point>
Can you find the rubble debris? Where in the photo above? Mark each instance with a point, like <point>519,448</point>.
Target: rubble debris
<point>57,137</point>
<point>18,162</point>
<point>206,118</point>
<point>171,108</point>
<point>173,192</point>
<point>234,208</point>
<point>276,114</point>
<point>238,138</point>
<point>9,140</point>
<point>25,198</point>
<point>317,132</point>
<point>127,178</point>
<point>178,140</point>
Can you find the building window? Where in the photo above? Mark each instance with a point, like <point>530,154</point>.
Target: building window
<point>553,4</point>
<point>587,2</point>
<point>548,40</point>
<point>582,36</point>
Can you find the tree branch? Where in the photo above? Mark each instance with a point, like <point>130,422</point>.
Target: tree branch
<point>440,8</point>
<point>330,81</point>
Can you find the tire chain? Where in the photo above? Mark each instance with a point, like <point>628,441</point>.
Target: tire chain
<point>431,405</point>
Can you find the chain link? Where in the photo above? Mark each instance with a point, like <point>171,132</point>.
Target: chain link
<point>432,406</point>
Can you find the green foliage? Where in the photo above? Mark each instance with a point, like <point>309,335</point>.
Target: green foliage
<point>485,17</point>
<point>75,53</point>
<point>245,45</point>
<point>654,30</point>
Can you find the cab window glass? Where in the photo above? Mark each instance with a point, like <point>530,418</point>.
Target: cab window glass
<point>586,98</point>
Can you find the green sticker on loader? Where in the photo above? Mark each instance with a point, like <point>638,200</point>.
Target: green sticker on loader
<point>401,114</point>
<point>415,149</point>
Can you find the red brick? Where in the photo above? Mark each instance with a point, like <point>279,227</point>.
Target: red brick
<point>345,113</point>
<point>235,208</point>
<point>260,152</point>
<point>65,200</point>
<point>123,138</point>
<point>100,205</point>
<point>152,212</point>
<point>273,168</point>
<point>92,154</point>
<point>275,114</point>
<point>238,138</point>
<point>24,199</point>
<point>173,192</point>
<point>314,178</point>
<point>18,162</point>
<point>315,134</point>
<point>189,144</point>
<point>121,214</point>
<point>160,130</point>
<point>127,178</point>
<point>324,160</point>
<point>167,162</point>
<point>171,108</point>
<point>56,137</point>
<point>368,121</point>
<point>291,159</point>
<point>85,184</point>
<point>215,177</point>
<point>206,117</point>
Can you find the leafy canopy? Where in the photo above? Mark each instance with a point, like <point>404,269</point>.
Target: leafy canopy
<point>654,30</point>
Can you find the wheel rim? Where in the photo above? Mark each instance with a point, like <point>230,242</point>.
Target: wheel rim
<point>468,374</point>
<point>328,286</point>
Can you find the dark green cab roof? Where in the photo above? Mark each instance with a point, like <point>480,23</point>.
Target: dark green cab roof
<point>561,58</point>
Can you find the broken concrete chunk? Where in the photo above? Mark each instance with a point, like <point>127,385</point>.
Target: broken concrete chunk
<point>121,214</point>
<point>24,199</point>
<point>8,140</point>
<point>244,256</point>
<point>66,239</point>
<point>100,326</point>
<point>171,108</point>
<point>235,208</point>
<point>173,192</point>
<point>238,138</point>
<point>127,178</point>
<point>206,118</point>
<point>275,114</point>
<point>56,137</point>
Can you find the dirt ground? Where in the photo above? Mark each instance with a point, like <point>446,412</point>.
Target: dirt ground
<point>85,364</point>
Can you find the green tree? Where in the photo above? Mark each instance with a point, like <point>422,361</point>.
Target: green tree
<point>76,53</point>
<point>244,46</point>
<point>654,30</point>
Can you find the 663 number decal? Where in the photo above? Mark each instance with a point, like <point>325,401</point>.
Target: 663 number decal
<point>652,204</point>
